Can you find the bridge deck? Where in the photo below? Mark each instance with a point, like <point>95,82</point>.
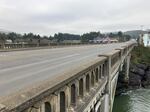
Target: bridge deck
<point>21,69</point>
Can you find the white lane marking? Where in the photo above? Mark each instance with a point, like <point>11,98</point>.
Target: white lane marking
<point>7,53</point>
<point>2,55</point>
<point>37,63</point>
<point>37,72</point>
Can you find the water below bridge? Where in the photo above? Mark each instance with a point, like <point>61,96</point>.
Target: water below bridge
<point>133,101</point>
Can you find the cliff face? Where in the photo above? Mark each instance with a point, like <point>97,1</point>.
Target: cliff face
<point>139,76</point>
<point>140,67</point>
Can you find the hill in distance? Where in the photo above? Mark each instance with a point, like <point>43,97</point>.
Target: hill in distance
<point>135,33</point>
<point>4,31</point>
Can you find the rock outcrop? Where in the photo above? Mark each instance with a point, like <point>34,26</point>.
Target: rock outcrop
<point>139,75</point>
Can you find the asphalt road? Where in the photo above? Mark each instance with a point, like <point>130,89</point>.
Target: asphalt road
<point>20,69</point>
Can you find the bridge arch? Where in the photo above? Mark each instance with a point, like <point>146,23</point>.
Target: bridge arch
<point>81,88</point>
<point>92,79</point>
<point>47,107</point>
<point>103,70</point>
<point>62,102</point>
<point>100,72</point>
<point>87,83</point>
<point>96,74</point>
<point>73,95</point>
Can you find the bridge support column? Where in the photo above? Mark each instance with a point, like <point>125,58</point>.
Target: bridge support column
<point>84,86</point>
<point>33,109</point>
<point>127,65</point>
<point>108,88</point>
<point>106,109</point>
<point>42,108</point>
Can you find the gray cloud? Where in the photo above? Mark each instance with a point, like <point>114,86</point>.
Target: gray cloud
<point>73,16</point>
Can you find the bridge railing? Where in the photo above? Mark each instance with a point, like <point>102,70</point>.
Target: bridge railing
<point>115,61</point>
<point>114,58</point>
<point>82,84</point>
<point>7,46</point>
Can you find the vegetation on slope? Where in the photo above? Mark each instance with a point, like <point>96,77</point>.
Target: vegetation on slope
<point>141,54</point>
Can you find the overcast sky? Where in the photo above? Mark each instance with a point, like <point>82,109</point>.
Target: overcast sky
<point>47,17</point>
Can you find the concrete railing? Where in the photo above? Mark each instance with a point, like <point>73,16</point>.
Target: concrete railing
<point>24,45</point>
<point>18,46</point>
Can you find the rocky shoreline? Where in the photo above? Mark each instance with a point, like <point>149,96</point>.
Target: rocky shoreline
<point>139,77</point>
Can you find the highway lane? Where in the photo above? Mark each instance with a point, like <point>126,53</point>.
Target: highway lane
<point>20,69</point>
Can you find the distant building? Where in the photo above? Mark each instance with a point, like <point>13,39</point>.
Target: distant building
<point>145,40</point>
<point>72,41</point>
<point>97,40</point>
<point>107,40</point>
<point>8,41</point>
<point>104,40</point>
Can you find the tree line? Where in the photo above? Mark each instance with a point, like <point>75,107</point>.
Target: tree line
<point>59,37</point>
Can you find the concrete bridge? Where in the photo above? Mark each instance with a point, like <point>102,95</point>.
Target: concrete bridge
<point>72,79</point>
